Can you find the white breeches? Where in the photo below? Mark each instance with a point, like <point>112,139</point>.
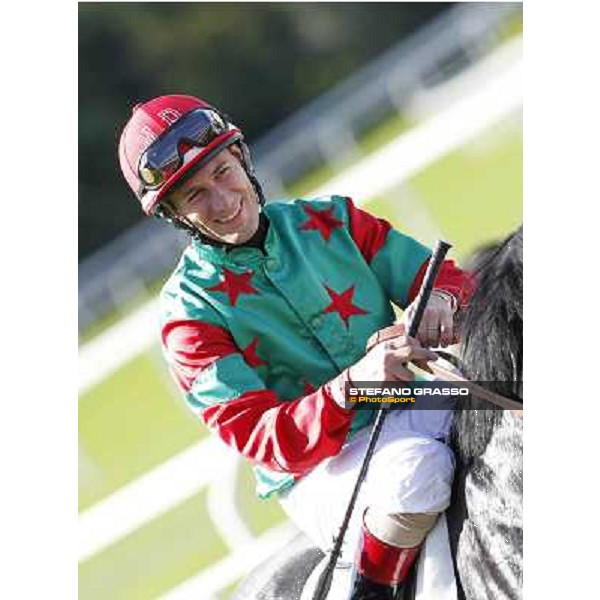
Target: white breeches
<point>410,472</point>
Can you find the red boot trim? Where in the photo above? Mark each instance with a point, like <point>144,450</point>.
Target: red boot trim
<point>382,563</point>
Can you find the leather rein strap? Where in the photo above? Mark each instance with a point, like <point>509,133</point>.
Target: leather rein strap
<point>393,331</point>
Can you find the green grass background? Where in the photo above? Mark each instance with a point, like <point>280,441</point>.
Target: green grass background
<point>134,420</point>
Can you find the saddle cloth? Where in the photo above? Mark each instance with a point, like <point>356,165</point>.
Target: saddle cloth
<point>435,571</point>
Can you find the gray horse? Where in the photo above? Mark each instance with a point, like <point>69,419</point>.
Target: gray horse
<point>485,515</point>
<point>485,518</point>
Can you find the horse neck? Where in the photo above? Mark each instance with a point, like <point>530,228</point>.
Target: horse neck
<point>492,488</point>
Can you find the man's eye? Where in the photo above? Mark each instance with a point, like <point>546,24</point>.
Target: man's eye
<point>193,196</point>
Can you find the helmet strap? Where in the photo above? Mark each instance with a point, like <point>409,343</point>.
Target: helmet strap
<point>165,212</point>
<point>249,168</point>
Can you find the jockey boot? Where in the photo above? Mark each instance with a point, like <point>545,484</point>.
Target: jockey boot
<point>380,569</point>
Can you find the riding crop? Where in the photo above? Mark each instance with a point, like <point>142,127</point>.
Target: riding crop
<point>324,583</point>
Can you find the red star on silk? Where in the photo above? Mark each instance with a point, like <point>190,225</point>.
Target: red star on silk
<point>250,355</point>
<point>322,220</point>
<point>234,285</point>
<point>342,304</point>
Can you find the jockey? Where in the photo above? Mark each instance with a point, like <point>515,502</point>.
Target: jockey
<point>266,318</point>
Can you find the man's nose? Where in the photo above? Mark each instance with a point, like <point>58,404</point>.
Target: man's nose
<point>223,202</point>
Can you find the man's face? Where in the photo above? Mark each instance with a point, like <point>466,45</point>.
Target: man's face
<point>219,199</point>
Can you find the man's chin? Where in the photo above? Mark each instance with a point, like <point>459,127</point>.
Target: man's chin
<point>235,238</point>
<point>240,237</point>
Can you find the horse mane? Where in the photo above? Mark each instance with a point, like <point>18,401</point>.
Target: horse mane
<point>492,340</point>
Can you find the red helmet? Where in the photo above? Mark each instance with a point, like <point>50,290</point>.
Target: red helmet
<point>159,133</point>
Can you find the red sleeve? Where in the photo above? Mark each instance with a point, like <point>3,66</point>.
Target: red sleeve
<point>368,232</point>
<point>460,284</point>
<point>192,346</point>
<point>291,436</point>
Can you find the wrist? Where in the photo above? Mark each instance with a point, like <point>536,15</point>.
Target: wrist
<point>338,388</point>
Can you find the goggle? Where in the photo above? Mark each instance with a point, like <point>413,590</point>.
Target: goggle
<point>164,156</point>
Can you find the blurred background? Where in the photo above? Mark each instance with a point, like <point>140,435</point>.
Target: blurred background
<point>412,109</point>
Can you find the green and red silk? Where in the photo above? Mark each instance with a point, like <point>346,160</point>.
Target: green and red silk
<point>257,340</point>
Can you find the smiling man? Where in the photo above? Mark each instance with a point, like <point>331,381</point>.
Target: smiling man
<point>219,199</point>
<point>267,317</point>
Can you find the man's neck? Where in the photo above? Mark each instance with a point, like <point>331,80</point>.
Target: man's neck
<point>258,239</point>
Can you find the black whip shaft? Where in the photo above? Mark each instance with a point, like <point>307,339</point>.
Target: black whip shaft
<point>439,252</point>
<point>437,258</point>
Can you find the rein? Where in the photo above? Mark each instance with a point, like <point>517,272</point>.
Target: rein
<point>476,389</point>
<point>503,402</point>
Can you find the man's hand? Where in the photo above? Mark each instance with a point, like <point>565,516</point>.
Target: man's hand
<point>385,360</point>
<point>437,325</point>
